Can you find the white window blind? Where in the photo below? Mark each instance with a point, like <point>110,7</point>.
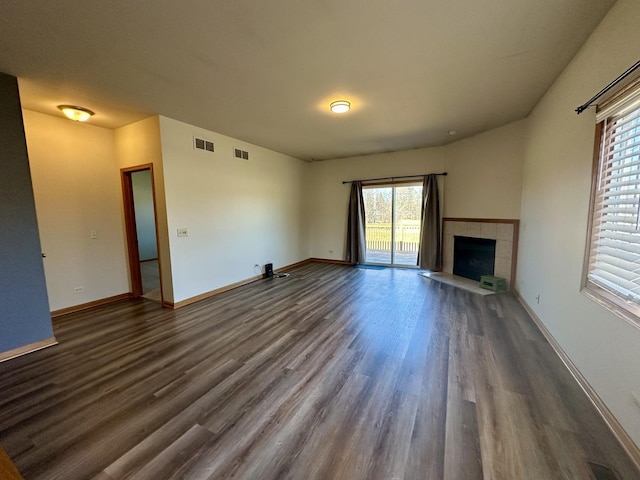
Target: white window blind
<point>614,262</point>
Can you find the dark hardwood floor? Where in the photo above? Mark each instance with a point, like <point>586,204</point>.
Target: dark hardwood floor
<point>332,373</point>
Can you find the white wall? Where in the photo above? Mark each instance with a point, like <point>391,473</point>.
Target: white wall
<point>484,181</point>
<point>139,144</point>
<point>238,212</point>
<point>485,174</point>
<point>555,200</point>
<point>77,189</point>
<point>327,197</point>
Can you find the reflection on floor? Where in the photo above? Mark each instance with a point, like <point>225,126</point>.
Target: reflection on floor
<point>332,373</point>
<point>150,272</point>
<point>459,282</point>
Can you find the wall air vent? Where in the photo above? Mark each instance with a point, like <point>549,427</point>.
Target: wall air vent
<point>202,144</point>
<point>243,154</point>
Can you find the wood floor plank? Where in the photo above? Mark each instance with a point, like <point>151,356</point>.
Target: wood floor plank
<point>163,465</point>
<point>294,452</point>
<point>462,459</point>
<point>426,452</point>
<point>331,373</point>
<point>460,360</point>
<point>393,443</point>
<point>239,440</point>
<point>135,458</point>
<point>568,452</point>
<point>367,425</point>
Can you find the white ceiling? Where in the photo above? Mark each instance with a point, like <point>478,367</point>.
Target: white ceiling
<point>266,71</point>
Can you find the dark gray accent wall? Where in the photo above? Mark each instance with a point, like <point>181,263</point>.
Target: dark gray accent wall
<point>24,305</point>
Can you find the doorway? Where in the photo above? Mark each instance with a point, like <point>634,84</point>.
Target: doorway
<point>392,222</point>
<point>141,230</point>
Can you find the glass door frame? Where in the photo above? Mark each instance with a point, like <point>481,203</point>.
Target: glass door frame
<point>392,185</point>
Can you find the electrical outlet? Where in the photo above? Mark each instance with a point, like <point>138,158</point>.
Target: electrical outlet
<point>78,290</point>
<point>93,234</point>
<point>538,298</point>
<point>183,232</point>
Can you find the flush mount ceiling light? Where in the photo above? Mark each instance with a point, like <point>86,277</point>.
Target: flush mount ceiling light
<point>340,106</point>
<point>78,114</point>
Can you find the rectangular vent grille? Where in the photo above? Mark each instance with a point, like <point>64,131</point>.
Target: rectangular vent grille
<point>202,144</point>
<point>243,154</point>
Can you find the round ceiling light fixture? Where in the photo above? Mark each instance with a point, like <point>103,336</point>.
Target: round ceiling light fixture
<point>340,106</point>
<point>77,114</point>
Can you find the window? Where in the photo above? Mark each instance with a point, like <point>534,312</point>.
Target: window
<point>613,257</point>
<point>392,221</point>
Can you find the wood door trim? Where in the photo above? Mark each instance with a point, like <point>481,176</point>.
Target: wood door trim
<point>8,470</point>
<point>130,226</point>
<point>137,168</point>
<point>130,231</point>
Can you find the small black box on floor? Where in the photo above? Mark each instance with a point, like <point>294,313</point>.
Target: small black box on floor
<point>268,270</point>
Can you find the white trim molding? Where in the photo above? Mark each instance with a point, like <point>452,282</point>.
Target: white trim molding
<point>612,422</point>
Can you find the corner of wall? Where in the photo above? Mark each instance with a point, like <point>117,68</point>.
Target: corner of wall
<point>140,143</point>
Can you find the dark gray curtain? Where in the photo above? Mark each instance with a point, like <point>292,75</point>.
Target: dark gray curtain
<point>356,241</point>
<point>430,253</point>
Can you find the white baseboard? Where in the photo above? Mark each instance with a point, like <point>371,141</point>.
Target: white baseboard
<point>612,422</point>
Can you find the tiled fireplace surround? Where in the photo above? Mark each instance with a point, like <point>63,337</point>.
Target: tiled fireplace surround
<point>504,232</point>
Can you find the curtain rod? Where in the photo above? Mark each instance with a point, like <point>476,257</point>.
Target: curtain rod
<point>588,103</point>
<point>444,174</point>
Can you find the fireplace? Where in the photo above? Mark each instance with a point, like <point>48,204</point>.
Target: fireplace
<point>473,257</point>
<point>503,231</point>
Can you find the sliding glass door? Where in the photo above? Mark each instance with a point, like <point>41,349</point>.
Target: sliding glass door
<point>392,217</point>
<point>378,211</point>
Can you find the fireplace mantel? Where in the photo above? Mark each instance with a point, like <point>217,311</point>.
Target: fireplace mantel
<point>503,231</point>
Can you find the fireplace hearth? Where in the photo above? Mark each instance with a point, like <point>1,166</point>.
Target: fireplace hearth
<point>473,257</point>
